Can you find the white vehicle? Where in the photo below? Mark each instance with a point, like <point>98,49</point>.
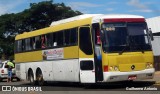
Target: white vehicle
<point>4,71</point>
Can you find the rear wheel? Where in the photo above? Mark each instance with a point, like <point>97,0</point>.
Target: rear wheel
<point>40,79</point>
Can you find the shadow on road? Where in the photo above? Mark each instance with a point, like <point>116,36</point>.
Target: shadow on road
<point>5,80</point>
<point>99,86</point>
<point>122,85</point>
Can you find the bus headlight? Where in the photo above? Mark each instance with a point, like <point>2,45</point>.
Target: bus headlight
<point>111,68</point>
<point>116,68</point>
<point>149,65</point>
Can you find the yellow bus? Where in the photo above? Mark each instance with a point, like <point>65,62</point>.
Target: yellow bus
<point>90,48</point>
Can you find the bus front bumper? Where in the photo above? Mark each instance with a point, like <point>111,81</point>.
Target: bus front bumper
<point>123,76</point>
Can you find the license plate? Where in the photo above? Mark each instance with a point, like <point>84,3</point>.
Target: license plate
<point>132,77</point>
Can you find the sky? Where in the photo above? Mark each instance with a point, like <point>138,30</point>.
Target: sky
<point>146,8</point>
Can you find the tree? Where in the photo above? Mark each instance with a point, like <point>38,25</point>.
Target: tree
<point>39,15</point>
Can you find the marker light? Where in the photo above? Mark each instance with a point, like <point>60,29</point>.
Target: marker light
<point>116,68</point>
<point>113,68</point>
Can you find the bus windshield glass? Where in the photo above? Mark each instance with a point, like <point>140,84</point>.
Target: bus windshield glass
<point>125,37</point>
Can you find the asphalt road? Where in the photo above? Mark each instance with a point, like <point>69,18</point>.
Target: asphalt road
<point>76,88</point>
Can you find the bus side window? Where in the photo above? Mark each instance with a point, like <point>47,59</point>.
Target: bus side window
<point>85,40</point>
<point>27,44</point>
<point>54,39</point>
<point>23,45</point>
<point>49,40</point>
<point>19,45</point>
<point>38,42</point>
<point>33,43</point>
<point>43,41</point>
<point>73,36</point>
<point>60,38</point>
<point>66,37</point>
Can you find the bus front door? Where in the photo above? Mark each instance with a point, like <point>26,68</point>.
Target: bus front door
<point>86,56</point>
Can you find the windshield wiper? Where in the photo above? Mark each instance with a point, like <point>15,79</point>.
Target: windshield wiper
<point>121,52</point>
<point>140,48</point>
<point>127,45</point>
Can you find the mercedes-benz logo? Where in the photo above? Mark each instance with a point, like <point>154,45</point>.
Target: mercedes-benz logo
<point>133,67</point>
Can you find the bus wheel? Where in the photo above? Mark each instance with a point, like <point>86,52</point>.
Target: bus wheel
<point>40,79</point>
<point>31,78</point>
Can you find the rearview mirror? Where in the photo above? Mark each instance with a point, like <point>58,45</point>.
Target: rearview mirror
<point>150,34</point>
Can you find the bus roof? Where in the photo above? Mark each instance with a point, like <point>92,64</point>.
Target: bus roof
<point>80,17</point>
<point>99,18</point>
<point>59,25</point>
<point>96,18</point>
<point>74,22</point>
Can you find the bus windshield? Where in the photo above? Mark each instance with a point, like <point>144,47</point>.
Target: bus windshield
<point>120,37</point>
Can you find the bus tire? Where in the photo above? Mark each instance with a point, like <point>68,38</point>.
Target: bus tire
<point>40,80</point>
<point>31,78</point>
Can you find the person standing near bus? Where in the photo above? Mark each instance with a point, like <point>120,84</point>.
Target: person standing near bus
<point>10,66</point>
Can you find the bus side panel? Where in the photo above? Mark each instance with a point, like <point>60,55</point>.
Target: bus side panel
<point>20,71</point>
<point>23,71</point>
<point>66,70</point>
<point>28,56</point>
<point>56,70</point>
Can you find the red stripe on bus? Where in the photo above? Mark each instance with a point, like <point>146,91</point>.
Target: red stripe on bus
<point>125,20</point>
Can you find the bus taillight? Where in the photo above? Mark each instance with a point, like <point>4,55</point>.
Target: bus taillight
<point>105,68</point>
